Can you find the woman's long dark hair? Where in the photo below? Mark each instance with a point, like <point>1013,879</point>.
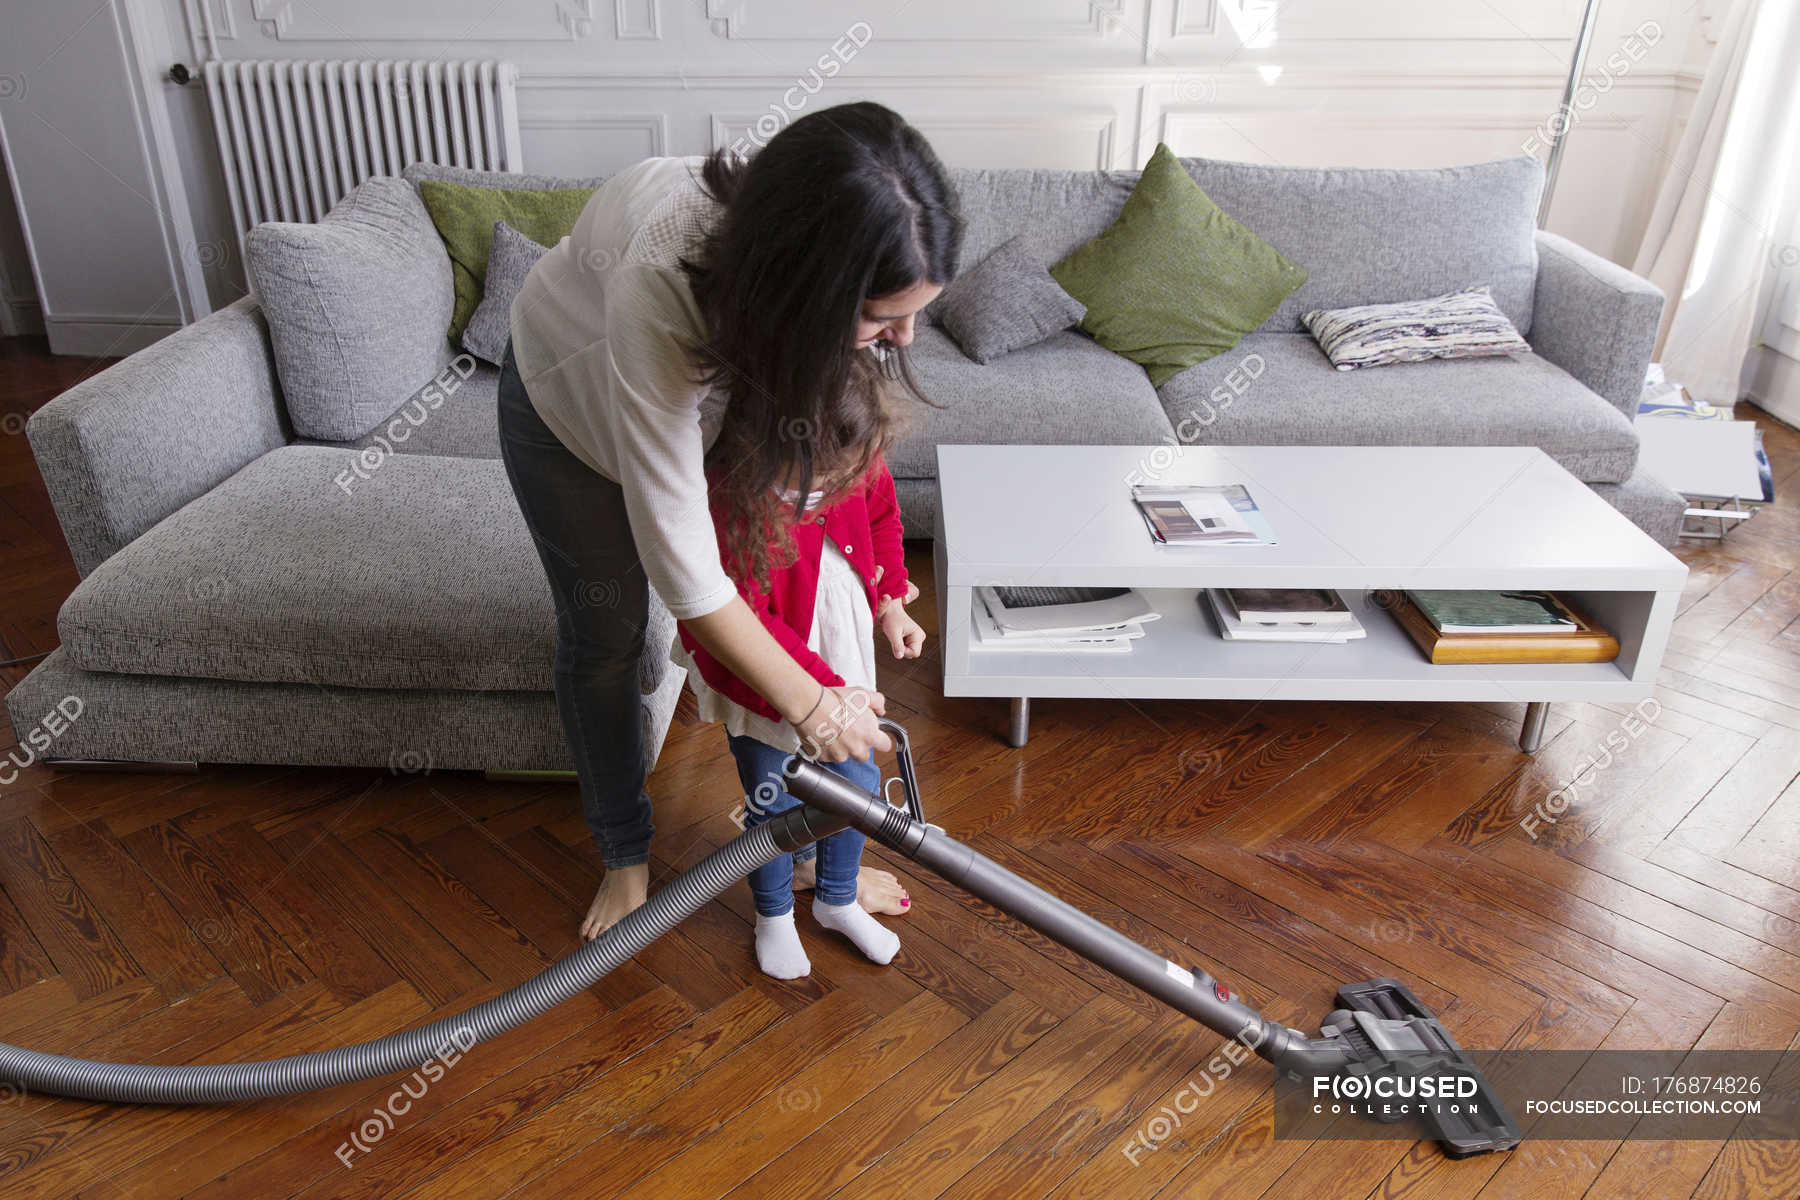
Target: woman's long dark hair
<point>845,204</point>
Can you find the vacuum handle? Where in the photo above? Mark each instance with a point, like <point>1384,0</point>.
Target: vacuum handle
<point>909,777</point>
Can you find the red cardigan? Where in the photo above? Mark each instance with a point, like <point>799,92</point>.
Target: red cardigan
<point>865,525</point>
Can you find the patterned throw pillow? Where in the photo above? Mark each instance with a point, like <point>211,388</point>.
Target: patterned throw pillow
<point>1465,324</point>
<point>1008,302</point>
<point>509,261</point>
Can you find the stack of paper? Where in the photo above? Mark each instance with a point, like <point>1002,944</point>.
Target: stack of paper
<point>1094,620</point>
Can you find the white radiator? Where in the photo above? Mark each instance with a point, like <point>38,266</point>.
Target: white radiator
<point>295,136</point>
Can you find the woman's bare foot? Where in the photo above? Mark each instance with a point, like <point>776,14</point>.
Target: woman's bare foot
<point>877,891</point>
<point>621,891</point>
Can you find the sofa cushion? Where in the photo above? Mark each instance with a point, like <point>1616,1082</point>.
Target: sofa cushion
<point>163,718</point>
<point>455,415</point>
<point>1374,235</point>
<point>296,570</point>
<point>465,217</point>
<point>510,259</point>
<point>1649,503</point>
<point>1006,303</point>
<point>1279,389</point>
<point>1175,280</point>
<point>1067,389</point>
<point>1061,208</point>
<point>356,303</point>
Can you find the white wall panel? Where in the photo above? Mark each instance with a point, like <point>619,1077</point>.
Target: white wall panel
<point>1070,83</point>
<point>1072,140</point>
<point>955,21</point>
<point>354,21</point>
<point>579,134</point>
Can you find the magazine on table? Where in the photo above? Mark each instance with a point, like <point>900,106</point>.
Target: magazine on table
<point>1198,514</point>
<point>1017,610</point>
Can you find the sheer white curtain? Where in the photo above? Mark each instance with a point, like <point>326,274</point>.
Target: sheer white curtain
<point>1724,202</point>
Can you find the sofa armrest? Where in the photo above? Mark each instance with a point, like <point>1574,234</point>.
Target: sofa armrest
<point>1595,320</point>
<point>123,449</point>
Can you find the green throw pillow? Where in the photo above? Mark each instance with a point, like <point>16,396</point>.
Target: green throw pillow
<point>1174,280</point>
<point>465,218</point>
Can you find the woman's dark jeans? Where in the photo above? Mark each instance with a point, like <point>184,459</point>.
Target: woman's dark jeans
<point>577,518</point>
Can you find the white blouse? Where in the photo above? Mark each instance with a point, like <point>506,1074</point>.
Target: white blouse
<point>594,331</point>
<point>843,634</point>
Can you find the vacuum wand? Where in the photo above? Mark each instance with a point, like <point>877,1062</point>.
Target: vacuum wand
<point>1379,1028</point>
<point>1188,990</point>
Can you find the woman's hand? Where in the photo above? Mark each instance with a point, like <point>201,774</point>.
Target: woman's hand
<point>833,727</point>
<point>843,726</point>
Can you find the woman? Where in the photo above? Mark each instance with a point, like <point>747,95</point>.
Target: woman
<point>708,310</point>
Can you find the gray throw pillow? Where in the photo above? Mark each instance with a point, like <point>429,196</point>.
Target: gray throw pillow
<point>357,305</point>
<point>1005,303</point>
<point>1465,324</point>
<point>509,261</point>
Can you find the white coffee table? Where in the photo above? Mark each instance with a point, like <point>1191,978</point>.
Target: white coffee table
<point>1354,518</point>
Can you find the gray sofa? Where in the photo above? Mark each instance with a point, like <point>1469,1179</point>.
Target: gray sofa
<point>238,605</point>
<point>1366,237</point>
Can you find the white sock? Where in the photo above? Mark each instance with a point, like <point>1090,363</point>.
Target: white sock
<point>875,940</point>
<point>778,949</point>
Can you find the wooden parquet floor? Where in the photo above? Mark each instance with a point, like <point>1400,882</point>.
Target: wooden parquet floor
<point>250,912</point>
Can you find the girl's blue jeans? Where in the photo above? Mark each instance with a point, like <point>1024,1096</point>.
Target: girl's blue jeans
<point>840,855</point>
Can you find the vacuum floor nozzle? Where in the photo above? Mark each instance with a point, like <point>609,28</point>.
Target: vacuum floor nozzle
<point>1379,1030</point>
<point>1385,1032</point>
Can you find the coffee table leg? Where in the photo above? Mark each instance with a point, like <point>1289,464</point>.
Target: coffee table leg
<point>1531,733</point>
<point>1019,721</point>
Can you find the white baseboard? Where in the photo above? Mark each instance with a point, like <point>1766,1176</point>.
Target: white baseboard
<point>95,336</point>
<point>21,317</point>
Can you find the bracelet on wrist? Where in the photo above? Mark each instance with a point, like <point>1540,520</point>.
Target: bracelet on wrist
<point>815,706</point>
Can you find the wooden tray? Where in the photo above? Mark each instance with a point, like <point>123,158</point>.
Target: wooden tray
<point>1589,643</point>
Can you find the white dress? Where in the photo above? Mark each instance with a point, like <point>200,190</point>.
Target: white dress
<point>843,634</point>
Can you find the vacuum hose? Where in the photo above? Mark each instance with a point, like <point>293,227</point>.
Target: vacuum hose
<point>55,1074</point>
<point>1380,1027</point>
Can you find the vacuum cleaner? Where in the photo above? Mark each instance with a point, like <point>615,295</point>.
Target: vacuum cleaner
<point>1380,1034</point>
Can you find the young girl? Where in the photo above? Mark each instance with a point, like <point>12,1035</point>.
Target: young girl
<point>848,575</point>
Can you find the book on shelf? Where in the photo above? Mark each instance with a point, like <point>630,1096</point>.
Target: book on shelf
<point>1196,514</point>
<point>1493,612</point>
<point>1102,639</point>
<point>1587,642</point>
<point>1315,607</point>
<point>1020,610</point>
<point>1234,628</point>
